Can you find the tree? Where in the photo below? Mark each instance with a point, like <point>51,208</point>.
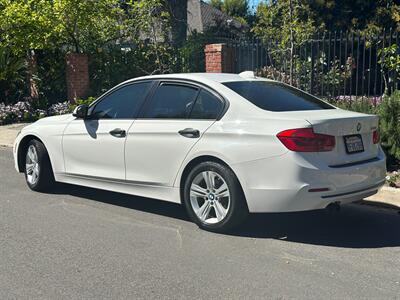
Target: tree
<point>81,26</point>
<point>178,17</point>
<point>25,25</point>
<point>277,19</point>
<point>286,24</point>
<point>234,8</point>
<point>368,16</point>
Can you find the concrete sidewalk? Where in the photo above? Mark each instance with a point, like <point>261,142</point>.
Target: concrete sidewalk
<point>8,133</point>
<point>387,197</point>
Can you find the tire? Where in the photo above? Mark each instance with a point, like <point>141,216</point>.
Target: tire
<point>38,171</point>
<point>203,201</point>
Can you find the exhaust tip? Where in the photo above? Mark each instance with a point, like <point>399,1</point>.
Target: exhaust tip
<point>334,206</point>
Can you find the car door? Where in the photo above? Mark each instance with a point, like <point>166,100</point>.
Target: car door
<point>94,147</point>
<point>170,124</point>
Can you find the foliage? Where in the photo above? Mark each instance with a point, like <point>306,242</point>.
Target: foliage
<point>71,106</point>
<point>25,111</point>
<point>275,23</point>
<point>51,75</point>
<point>26,25</point>
<point>389,112</point>
<point>192,52</point>
<point>393,179</point>
<point>367,105</point>
<point>19,112</point>
<point>239,9</point>
<point>113,65</point>
<point>332,77</point>
<point>390,61</point>
<point>12,75</point>
<point>59,108</point>
<point>43,24</point>
<point>368,16</point>
<point>54,27</point>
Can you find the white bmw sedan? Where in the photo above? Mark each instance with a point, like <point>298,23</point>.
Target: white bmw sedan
<point>223,145</point>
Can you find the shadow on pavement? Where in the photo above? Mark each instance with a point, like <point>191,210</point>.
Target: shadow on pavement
<point>355,226</point>
<point>143,204</point>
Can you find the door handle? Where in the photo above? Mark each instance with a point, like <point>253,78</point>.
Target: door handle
<point>189,133</point>
<point>118,132</point>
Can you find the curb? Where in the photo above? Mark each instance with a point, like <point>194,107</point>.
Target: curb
<point>379,204</point>
<point>387,197</point>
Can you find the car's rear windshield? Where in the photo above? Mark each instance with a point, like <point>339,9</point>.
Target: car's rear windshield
<point>275,96</point>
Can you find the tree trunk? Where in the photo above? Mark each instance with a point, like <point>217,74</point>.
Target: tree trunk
<point>178,11</point>
<point>291,42</point>
<point>32,75</point>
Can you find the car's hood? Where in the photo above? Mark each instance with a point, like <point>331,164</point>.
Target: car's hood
<point>54,120</point>
<point>59,118</point>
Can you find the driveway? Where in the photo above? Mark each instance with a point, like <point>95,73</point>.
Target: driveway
<point>83,243</point>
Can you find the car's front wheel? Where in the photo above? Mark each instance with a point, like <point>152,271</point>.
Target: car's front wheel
<point>213,197</point>
<point>38,171</point>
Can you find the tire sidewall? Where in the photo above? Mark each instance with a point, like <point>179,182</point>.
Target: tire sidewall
<point>45,173</point>
<point>236,196</point>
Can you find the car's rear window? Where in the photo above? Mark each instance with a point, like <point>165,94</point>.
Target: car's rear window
<point>275,96</point>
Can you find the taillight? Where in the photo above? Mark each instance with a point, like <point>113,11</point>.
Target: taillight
<point>305,140</point>
<point>375,137</point>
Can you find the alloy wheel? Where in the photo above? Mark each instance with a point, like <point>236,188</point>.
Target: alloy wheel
<point>32,166</point>
<point>210,197</point>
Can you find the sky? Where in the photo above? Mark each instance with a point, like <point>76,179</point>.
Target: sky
<point>253,4</point>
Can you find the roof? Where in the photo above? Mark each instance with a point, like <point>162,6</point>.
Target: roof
<point>216,77</point>
<point>202,16</point>
<point>210,15</point>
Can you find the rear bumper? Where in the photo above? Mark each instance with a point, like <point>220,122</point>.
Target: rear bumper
<point>282,184</point>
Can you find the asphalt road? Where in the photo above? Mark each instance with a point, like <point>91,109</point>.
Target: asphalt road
<point>83,243</point>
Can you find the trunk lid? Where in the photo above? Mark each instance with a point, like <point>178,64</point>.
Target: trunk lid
<point>341,123</point>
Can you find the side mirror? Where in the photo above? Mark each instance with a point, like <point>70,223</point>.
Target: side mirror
<point>81,111</point>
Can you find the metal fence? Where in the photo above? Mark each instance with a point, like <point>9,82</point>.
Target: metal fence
<point>332,65</point>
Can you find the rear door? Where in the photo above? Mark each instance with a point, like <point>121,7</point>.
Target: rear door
<point>172,121</point>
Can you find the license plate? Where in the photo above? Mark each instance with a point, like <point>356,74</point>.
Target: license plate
<point>354,143</point>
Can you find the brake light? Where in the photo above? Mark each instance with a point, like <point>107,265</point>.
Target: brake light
<point>305,140</point>
<point>375,137</point>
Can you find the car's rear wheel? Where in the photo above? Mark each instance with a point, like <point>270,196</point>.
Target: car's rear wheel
<point>38,172</point>
<point>213,197</point>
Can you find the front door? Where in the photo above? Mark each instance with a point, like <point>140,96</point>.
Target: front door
<point>94,147</point>
<point>172,122</point>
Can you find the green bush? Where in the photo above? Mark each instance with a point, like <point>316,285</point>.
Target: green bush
<point>388,110</point>
<point>78,102</point>
<point>360,105</point>
<point>389,114</point>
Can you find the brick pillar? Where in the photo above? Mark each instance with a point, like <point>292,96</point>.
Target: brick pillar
<point>77,70</point>
<point>219,58</point>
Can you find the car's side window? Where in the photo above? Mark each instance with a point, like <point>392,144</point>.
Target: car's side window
<point>171,101</point>
<point>124,103</point>
<point>207,106</point>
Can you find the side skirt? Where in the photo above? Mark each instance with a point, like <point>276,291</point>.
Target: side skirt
<point>159,192</point>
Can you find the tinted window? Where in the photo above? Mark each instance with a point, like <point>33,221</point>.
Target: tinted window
<point>123,103</point>
<point>207,106</point>
<point>275,96</point>
<point>171,101</point>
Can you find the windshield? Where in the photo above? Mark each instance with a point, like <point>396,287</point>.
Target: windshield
<point>275,96</point>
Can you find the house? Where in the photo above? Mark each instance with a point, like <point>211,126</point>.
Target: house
<point>202,16</point>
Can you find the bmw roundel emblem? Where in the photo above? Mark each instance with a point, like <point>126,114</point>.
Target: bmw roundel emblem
<point>358,126</point>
